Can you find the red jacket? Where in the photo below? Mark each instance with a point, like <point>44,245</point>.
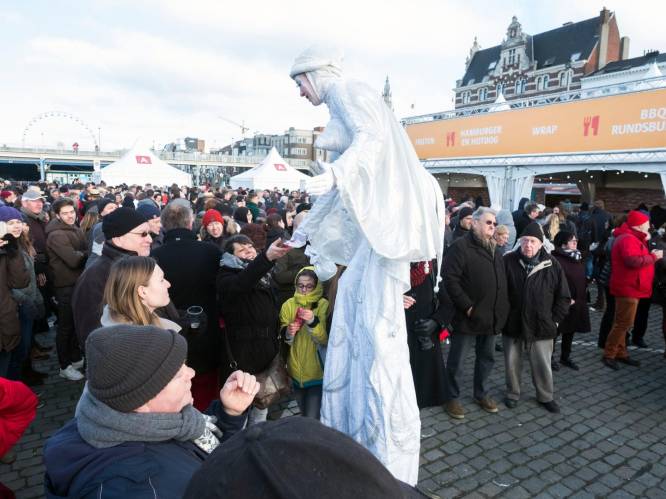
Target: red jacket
<point>632,264</point>
<point>18,406</point>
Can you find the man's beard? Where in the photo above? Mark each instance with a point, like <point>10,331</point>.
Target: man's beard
<point>490,244</point>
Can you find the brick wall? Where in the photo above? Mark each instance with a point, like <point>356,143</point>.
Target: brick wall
<point>619,200</point>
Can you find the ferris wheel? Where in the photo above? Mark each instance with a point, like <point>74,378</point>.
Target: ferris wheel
<point>39,121</point>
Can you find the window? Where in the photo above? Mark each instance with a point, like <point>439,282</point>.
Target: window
<point>492,65</point>
<point>466,97</point>
<point>471,81</point>
<point>483,94</point>
<point>499,89</point>
<point>520,86</point>
<point>542,82</point>
<point>512,56</point>
<point>565,78</point>
<point>575,57</point>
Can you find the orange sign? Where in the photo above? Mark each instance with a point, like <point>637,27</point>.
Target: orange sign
<point>620,122</point>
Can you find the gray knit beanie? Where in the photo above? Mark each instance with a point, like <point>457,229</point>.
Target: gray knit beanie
<point>128,365</point>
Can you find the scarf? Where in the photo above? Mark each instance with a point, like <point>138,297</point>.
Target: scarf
<point>102,427</point>
<point>41,217</point>
<point>233,262</point>
<point>529,263</point>
<point>574,254</point>
<point>307,299</point>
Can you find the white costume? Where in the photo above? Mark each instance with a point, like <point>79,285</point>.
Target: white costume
<point>384,212</point>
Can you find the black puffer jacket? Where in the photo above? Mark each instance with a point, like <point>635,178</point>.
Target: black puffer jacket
<point>539,301</point>
<point>475,278</point>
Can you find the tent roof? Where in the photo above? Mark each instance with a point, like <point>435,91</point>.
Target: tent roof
<point>140,166</point>
<point>273,171</point>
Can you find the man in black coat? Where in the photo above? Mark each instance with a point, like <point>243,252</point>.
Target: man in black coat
<point>126,233</point>
<point>529,215</point>
<point>539,298</point>
<point>191,267</point>
<point>475,282</point>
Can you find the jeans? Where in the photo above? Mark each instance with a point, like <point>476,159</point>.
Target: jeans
<point>22,351</point>
<point>484,347</point>
<point>309,401</point>
<point>67,343</point>
<point>539,353</point>
<point>625,313</point>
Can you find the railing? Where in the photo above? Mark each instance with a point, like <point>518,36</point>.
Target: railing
<point>542,100</point>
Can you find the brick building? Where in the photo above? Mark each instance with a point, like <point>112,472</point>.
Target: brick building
<point>554,61</point>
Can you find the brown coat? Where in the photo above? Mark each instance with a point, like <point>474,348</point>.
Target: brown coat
<point>66,247</point>
<point>13,275</point>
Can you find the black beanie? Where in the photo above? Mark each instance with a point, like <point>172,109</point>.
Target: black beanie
<point>562,238</point>
<point>128,365</point>
<point>121,221</point>
<point>533,229</point>
<point>268,460</point>
<point>102,203</point>
<point>464,212</point>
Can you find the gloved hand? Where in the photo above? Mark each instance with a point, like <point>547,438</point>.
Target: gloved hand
<point>424,329</point>
<point>323,183</point>
<point>10,245</point>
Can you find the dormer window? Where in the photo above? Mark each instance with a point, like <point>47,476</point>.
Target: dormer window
<point>471,81</point>
<point>492,65</point>
<point>512,57</point>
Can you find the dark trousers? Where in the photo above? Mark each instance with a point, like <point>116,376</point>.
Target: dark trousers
<point>67,344</point>
<point>641,320</point>
<point>565,349</point>
<point>309,401</point>
<point>607,319</point>
<point>484,347</point>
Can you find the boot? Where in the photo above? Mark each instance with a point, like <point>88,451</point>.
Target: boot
<point>600,303</point>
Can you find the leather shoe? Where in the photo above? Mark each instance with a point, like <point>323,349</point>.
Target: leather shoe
<point>510,403</point>
<point>612,363</point>
<point>569,363</point>
<point>551,406</point>
<point>640,343</point>
<point>629,361</point>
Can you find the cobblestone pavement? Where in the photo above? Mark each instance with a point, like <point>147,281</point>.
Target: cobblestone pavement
<point>609,440</point>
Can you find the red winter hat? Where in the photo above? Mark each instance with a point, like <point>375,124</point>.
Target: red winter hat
<point>636,218</point>
<point>5,194</point>
<point>212,216</point>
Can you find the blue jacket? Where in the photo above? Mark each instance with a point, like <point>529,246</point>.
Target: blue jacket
<point>133,470</point>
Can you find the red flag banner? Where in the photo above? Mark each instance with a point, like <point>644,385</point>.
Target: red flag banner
<point>143,160</point>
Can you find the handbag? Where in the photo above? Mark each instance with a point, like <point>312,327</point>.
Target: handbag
<point>274,380</point>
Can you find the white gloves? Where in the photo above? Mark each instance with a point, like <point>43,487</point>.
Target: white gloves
<point>321,184</point>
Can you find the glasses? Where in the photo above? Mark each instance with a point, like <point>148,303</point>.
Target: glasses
<point>490,222</point>
<point>141,234</point>
<point>307,287</point>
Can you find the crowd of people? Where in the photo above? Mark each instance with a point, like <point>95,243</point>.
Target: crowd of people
<point>171,301</point>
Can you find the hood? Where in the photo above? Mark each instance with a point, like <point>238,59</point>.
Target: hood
<point>72,464</point>
<point>321,65</point>
<point>625,229</point>
<point>57,224</point>
<point>313,296</point>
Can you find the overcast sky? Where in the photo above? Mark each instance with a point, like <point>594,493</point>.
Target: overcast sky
<point>158,70</point>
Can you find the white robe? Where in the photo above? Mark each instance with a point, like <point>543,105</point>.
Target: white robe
<point>385,212</point>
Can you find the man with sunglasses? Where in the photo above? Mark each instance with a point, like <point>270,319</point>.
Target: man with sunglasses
<point>475,280</point>
<point>126,232</point>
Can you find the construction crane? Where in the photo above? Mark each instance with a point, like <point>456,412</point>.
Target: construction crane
<point>241,124</point>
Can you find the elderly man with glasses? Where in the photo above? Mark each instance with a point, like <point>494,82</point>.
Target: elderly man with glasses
<point>476,283</point>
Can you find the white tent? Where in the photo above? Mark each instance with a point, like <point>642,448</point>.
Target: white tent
<point>140,166</point>
<point>273,171</point>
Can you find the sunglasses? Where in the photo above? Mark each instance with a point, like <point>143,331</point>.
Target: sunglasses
<point>488,222</point>
<point>141,234</point>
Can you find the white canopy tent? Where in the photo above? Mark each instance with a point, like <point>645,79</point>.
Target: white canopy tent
<point>140,166</point>
<point>273,171</point>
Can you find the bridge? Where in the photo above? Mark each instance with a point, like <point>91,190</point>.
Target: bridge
<point>33,163</point>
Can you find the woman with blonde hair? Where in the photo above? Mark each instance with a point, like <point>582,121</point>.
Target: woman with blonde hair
<point>135,289</point>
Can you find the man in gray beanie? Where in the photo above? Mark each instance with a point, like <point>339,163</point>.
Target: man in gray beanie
<point>136,432</point>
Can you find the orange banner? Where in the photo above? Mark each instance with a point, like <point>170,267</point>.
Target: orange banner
<point>620,122</point>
